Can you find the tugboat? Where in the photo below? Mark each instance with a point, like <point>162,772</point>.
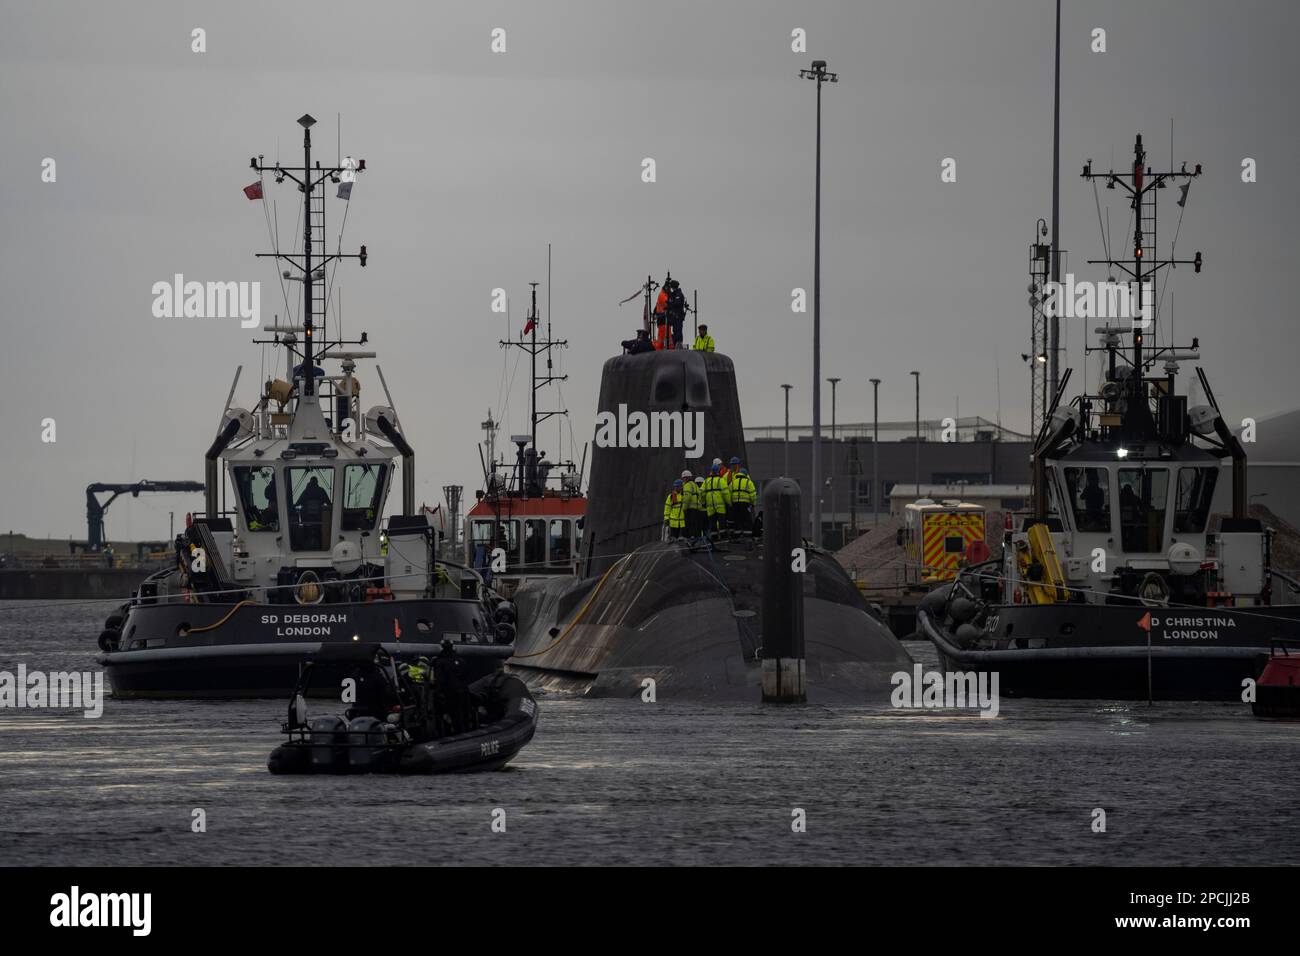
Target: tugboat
<point>302,563</point>
<point>527,521</point>
<point>1117,587</point>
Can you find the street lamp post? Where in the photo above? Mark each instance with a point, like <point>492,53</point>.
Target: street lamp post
<point>830,479</point>
<point>917,489</point>
<point>819,74</point>
<point>786,472</point>
<point>875,453</point>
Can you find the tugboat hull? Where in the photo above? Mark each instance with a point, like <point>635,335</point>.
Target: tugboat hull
<point>1090,652</point>
<point>257,650</point>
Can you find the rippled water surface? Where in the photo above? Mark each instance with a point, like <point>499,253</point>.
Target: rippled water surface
<point>625,782</point>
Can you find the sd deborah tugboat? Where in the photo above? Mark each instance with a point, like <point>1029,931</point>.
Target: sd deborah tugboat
<point>1116,587</point>
<point>302,563</point>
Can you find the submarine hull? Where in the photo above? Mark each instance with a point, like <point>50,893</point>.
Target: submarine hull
<point>684,619</point>
<point>689,619</point>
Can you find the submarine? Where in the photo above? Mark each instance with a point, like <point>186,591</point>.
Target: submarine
<point>737,616</point>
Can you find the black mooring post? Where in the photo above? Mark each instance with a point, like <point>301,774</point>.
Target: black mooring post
<point>783,646</point>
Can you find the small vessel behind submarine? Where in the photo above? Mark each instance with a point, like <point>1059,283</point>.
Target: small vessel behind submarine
<point>702,620</point>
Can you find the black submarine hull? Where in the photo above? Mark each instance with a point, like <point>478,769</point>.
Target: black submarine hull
<point>689,620</point>
<point>678,619</point>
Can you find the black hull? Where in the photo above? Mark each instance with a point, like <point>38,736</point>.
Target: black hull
<point>485,748</point>
<point>251,652</point>
<point>691,622</point>
<point>1107,658</point>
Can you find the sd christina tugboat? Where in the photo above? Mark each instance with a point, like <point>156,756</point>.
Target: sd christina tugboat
<point>302,563</point>
<point>1117,587</point>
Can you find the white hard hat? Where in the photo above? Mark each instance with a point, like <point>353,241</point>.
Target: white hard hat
<point>687,474</point>
<point>717,461</point>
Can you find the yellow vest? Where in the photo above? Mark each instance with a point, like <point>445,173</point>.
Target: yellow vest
<point>675,510</point>
<point>717,496</point>
<point>693,497</point>
<point>743,491</point>
<point>703,343</point>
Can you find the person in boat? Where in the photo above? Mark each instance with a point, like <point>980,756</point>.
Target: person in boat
<point>311,507</point>
<point>676,310</point>
<point>661,314</point>
<point>451,690</point>
<point>717,499</point>
<point>696,515</point>
<point>703,340</point>
<point>675,510</point>
<point>638,345</point>
<point>743,496</point>
<point>269,517</point>
<point>1093,497</point>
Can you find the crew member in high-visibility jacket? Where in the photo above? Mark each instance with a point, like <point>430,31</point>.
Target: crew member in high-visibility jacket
<point>743,495</point>
<point>661,316</point>
<point>675,511</point>
<point>696,516</point>
<point>703,340</point>
<point>717,499</point>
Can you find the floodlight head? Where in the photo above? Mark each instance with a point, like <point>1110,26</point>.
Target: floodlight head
<point>306,121</point>
<point>819,66</point>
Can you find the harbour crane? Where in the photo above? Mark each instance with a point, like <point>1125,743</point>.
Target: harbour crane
<point>95,508</point>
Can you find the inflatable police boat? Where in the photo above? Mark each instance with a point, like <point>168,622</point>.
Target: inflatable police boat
<point>406,718</point>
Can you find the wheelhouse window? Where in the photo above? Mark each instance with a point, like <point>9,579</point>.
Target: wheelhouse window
<point>1143,498</point>
<point>483,540</point>
<point>311,506</point>
<point>534,544</point>
<point>1089,490</point>
<point>363,487</point>
<point>561,543</point>
<point>258,497</point>
<point>1195,494</point>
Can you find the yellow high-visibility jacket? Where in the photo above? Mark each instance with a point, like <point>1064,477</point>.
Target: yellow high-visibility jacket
<point>717,496</point>
<point>743,491</point>
<point>703,343</point>
<point>693,497</point>
<point>675,510</point>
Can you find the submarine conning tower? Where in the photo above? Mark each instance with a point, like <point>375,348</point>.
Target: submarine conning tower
<point>659,413</point>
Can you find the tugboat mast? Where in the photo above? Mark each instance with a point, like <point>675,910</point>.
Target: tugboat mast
<point>304,262</point>
<point>534,348</point>
<point>1141,184</point>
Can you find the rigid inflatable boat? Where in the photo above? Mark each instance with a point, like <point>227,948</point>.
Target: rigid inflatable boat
<point>406,718</point>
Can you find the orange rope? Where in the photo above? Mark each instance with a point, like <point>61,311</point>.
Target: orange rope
<point>213,627</point>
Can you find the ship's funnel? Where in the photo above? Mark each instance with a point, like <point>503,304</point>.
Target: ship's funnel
<point>659,413</point>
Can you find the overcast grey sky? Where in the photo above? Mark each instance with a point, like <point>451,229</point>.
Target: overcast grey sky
<point>476,160</point>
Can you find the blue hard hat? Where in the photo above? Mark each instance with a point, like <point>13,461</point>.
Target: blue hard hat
<point>677,483</point>
<point>735,460</point>
<point>715,469</point>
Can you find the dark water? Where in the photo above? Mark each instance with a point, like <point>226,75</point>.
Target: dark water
<point>626,782</point>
